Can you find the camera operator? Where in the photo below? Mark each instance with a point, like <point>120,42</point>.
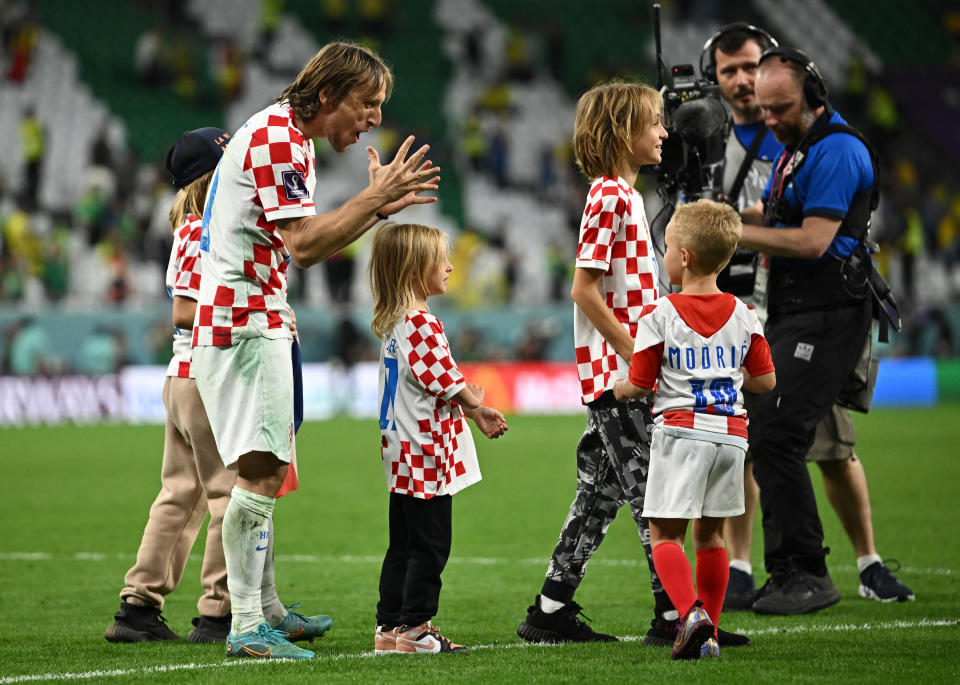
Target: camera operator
<point>813,222</point>
<point>731,57</point>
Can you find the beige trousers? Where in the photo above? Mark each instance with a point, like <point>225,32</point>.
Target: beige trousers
<point>193,482</point>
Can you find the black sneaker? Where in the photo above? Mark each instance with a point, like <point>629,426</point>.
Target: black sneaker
<point>561,626</point>
<point>878,582</point>
<point>769,586</point>
<point>741,591</point>
<point>210,629</point>
<point>663,633</point>
<point>139,624</point>
<point>797,592</point>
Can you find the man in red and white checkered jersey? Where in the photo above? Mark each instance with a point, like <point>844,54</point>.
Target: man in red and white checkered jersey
<point>260,210</point>
<point>427,446</point>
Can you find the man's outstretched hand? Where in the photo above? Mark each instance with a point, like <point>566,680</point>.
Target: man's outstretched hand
<point>402,180</point>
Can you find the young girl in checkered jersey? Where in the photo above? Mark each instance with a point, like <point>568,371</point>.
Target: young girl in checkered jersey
<point>193,477</point>
<point>426,447</point>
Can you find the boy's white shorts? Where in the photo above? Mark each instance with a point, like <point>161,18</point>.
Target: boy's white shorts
<point>692,478</point>
<point>247,390</point>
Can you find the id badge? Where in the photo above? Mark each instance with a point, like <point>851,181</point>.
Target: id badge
<point>760,284</point>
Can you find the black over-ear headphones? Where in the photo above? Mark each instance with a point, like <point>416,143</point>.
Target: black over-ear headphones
<point>814,88</point>
<point>708,65</point>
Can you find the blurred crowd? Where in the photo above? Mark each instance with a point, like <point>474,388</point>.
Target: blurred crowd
<point>508,110</point>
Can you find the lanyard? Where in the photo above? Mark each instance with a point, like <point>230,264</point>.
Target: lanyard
<point>776,188</point>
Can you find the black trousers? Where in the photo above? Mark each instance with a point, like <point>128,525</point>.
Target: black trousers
<point>814,353</point>
<point>418,551</point>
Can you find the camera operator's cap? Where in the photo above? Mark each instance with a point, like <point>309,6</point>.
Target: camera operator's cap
<point>195,153</point>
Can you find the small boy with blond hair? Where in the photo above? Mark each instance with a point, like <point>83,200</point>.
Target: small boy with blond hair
<point>696,350</point>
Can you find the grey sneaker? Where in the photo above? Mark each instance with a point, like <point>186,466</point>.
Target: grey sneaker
<point>797,592</point>
<point>878,582</point>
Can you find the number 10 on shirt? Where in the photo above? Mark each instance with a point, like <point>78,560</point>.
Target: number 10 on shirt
<point>723,391</point>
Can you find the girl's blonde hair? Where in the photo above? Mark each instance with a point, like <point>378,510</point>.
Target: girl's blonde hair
<point>338,68</point>
<point>609,117</point>
<point>402,254</point>
<point>190,200</point>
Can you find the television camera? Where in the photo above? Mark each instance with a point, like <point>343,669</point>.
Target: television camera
<point>697,123</point>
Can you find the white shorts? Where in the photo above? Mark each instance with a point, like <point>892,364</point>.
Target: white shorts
<point>247,390</point>
<point>691,478</point>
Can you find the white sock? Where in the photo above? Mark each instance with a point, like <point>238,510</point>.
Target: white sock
<point>273,610</point>
<point>742,565</point>
<point>246,537</point>
<point>548,606</point>
<point>866,560</point>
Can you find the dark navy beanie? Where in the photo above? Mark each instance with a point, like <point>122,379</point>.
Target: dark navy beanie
<point>195,153</point>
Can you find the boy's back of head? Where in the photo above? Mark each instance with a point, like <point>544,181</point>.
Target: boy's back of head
<point>711,230</point>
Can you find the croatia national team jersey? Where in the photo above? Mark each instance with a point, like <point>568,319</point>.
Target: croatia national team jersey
<point>698,345</point>
<point>183,280</point>
<point>267,173</point>
<point>426,445</point>
<point>614,237</point>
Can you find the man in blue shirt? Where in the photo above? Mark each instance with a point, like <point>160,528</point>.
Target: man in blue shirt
<point>730,58</point>
<point>816,215</point>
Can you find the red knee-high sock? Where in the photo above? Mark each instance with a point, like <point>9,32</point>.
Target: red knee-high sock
<point>675,574</point>
<point>712,576</point>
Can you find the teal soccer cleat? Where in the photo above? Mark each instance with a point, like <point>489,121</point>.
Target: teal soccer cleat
<point>264,643</point>
<point>297,627</point>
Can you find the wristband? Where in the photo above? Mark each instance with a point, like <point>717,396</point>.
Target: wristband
<point>381,216</point>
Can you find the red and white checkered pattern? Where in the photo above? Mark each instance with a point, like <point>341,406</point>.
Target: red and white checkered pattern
<point>426,445</point>
<point>696,347</point>
<point>267,173</point>
<point>183,280</point>
<point>614,237</point>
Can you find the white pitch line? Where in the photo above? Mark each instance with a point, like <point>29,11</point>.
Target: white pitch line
<point>775,630</point>
<point>135,671</point>
<point>378,559</point>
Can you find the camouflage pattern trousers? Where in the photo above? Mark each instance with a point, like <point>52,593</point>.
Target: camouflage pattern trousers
<point>613,457</point>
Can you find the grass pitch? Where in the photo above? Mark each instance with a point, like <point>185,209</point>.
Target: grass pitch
<point>73,501</point>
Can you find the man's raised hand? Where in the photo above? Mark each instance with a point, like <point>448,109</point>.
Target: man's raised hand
<point>401,181</point>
